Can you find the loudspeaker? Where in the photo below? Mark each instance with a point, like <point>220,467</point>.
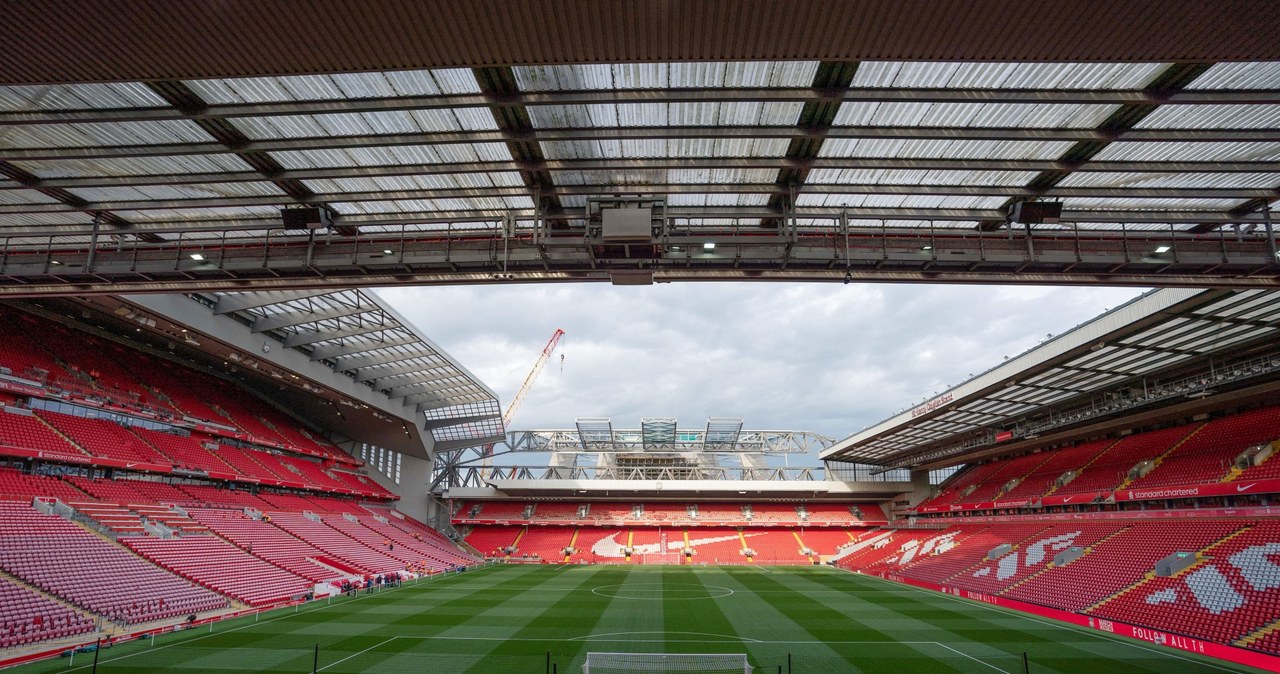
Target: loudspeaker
<point>307,218</point>
<point>1036,212</point>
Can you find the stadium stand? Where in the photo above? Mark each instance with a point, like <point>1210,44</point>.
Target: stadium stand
<point>27,617</point>
<point>104,438</point>
<point>492,541</point>
<point>63,559</point>
<point>215,563</point>
<point>25,431</point>
<point>339,546</point>
<point>268,542</point>
<point>17,486</point>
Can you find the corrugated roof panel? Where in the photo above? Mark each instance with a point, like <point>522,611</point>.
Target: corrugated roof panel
<point>1212,117</point>
<point>350,85</point>
<point>83,168</point>
<point>79,96</point>
<point>1239,76</point>
<point>156,192</point>
<point>203,214</point>
<point>917,177</point>
<point>1191,180</point>
<point>973,115</point>
<point>580,116</point>
<point>1134,203</point>
<point>1190,152</point>
<point>944,149</point>
<point>1005,75</point>
<point>97,135</point>
<point>25,197</point>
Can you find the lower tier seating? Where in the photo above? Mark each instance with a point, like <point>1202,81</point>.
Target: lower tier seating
<point>213,562</point>
<point>27,617</point>
<point>1229,594</point>
<point>63,559</point>
<point>337,544</point>
<point>268,542</point>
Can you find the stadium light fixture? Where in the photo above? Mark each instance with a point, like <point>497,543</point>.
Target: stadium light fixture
<point>926,247</point>
<point>1163,248</point>
<point>54,262</point>
<point>710,245</point>
<point>386,251</point>
<point>198,257</point>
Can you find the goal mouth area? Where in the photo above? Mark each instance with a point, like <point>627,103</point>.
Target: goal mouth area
<point>629,663</point>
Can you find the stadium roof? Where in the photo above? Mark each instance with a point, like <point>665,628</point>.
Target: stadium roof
<point>1165,347</point>
<point>356,333</point>
<point>803,157</point>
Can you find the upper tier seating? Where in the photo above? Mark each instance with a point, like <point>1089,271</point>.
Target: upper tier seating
<point>185,451</point>
<point>1043,478</point>
<point>774,512</point>
<point>1110,469</point>
<point>27,617</point>
<point>245,462</point>
<point>104,438</point>
<point>556,511</point>
<point>272,544</point>
<point>954,488</point>
<point>502,510</point>
<point>61,558</point>
<point>1208,455</point>
<point>211,561</point>
<point>29,432</point>
<point>826,513</point>
<point>1007,470</point>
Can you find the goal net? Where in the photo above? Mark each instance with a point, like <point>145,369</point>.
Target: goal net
<point>631,663</point>
<point>659,557</point>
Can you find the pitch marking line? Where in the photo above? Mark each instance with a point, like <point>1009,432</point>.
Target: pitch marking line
<point>655,591</point>
<point>1060,625</point>
<point>600,637</point>
<point>338,662</point>
<point>282,616</point>
<point>966,655</point>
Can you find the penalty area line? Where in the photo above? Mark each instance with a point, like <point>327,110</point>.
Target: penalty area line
<point>338,662</point>
<point>966,655</point>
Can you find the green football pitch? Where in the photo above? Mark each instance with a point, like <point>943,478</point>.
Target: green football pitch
<point>536,619</point>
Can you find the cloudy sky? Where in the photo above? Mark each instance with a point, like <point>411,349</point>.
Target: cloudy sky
<point>828,358</point>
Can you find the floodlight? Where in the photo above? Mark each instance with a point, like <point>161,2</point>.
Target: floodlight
<point>198,257</point>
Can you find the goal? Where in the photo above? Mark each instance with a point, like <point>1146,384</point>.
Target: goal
<point>630,663</point>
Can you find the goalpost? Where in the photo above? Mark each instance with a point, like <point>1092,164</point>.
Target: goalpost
<point>629,663</point>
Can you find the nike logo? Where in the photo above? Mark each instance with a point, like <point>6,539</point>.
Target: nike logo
<point>1242,487</point>
<point>1067,499</point>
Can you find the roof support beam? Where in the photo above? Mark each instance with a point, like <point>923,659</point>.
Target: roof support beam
<point>777,203</point>
<point>230,303</point>
<point>286,320</point>
<point>374,372</point>
<point>427,357</point>
<point>351,348</point>
<point>500,83</point>
<point>641,133</point>
<point>500,95</point>
<point>816,118</point>
<point>1173,79</point>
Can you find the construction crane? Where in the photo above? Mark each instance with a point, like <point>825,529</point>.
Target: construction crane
<point>524,391</point>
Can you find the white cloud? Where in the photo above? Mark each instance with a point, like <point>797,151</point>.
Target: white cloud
<point>824,358</point>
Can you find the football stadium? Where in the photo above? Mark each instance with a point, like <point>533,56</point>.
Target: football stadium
<point>224,449</point>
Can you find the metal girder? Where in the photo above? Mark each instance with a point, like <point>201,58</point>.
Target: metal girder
<point>362,362</point>
<point>416,387</point>
<point>660,163</point>
<point>292,318</point>
<point>382,373</point>
<point>641,133</point>
<point>458,421</point>
<point>524,99</point>
<point>347,348</point>
<point>228,304</point>
<point>1051,191</point>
